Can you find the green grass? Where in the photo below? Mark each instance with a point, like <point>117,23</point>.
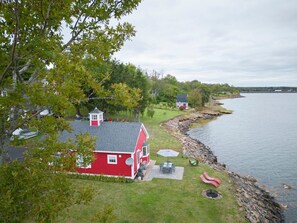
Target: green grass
<point>161,115</point>
<point>160,138</point>
<point>160,200</point>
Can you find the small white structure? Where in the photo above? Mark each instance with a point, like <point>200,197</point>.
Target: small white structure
<point>96,117</point>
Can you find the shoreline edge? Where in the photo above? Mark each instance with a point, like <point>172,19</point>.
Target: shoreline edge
<point>258,204</point>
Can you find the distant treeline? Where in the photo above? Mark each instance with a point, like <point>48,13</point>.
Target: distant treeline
<point>267,89</point>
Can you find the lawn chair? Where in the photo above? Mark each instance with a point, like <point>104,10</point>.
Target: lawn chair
<point>214,183</point>
<point>205,174</point>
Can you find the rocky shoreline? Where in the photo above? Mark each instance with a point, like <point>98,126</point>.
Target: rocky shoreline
<point>258,204</point>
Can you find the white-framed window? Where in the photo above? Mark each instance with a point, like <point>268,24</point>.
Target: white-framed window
<point>112,159</point>
<point>145,150</point>
<point>80,162</point>
<point>94,117</point>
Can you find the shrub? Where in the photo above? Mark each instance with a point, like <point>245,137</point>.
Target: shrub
<point>100,178</point>
<point>182,107</point>
<point>150,111</point>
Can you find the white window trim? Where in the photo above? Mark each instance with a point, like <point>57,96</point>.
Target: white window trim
<point>147,150</point>
<point>112,157</point>
<point>94,117</point>
<point>144,148</point>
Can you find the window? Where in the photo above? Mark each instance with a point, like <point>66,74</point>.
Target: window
<point>112,159</point>
<point>81,163</point>
<point>145,150</point>
<point>94,117</point>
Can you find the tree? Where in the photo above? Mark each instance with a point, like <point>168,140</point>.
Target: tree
<point>195,98</point>
<point>127,74</point>
<point>150,111</point>
<point>134,78</point>
<point>42,67</point>
<point>124,98</point>
<point>202,89</point>
<point>29,190</point>
<point>205,91</point>
<point>155,78</point>
<point>139,80</point>
<point>167,90</point>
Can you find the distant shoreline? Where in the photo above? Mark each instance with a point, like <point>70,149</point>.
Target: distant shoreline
<point>279,89</point>
<point>264,92</point>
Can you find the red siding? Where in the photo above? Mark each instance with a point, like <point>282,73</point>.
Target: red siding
<point>146,159</point>
<point>94,122</point>
<point>135,162</point>
<point>141,140</point>
<point>100,165</point>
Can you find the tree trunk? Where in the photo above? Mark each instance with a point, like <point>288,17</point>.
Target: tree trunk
<point>5,142</point>
<point>118,115</point>
<point>77,108</point>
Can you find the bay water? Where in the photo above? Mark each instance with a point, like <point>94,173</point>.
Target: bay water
<point>259,139</point>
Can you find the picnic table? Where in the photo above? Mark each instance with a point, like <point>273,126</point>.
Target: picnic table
<point>167,167</point>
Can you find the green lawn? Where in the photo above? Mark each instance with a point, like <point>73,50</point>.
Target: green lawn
<point>160,200</point>
<point>159,137</point>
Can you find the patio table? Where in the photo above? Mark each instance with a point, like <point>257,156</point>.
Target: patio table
<point>167,167</point>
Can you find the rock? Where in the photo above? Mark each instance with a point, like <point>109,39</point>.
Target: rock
<point>287,186</point>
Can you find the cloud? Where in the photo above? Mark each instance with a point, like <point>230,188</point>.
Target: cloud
<point>243,43</point>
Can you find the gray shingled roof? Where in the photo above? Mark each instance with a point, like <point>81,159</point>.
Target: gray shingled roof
<point>182,98</point>
<point>110,136</point>
<point>96,110</point>
<point>16,153</point>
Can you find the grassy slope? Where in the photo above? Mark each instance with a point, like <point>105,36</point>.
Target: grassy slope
<point>160,200</point>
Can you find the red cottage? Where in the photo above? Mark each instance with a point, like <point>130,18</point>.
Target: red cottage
<point>120,146</point>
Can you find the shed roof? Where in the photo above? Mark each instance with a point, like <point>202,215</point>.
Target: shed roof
<point>110,136</point>
<point>182,98</point>
<point>96,111</point>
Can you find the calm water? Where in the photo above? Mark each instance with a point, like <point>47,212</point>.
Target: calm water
<point>259,139</point>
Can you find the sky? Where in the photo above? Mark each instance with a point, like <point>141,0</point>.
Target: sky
<point>239,42</point>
